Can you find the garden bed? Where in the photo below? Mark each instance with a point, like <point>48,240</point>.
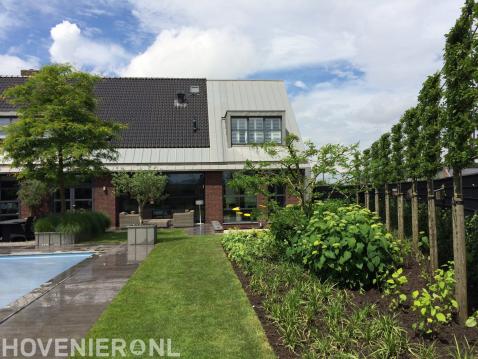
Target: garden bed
<point>273,335</point>
<point>443,342</point>
<point>444,339</point>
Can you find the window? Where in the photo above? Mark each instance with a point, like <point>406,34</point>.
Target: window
<point>238,206</point>
<point>75,198</point>
<point>9,208</point>
<point>278,194</point>
<point>252,130</point>
<point>5,121</point>
<point>182,189</point>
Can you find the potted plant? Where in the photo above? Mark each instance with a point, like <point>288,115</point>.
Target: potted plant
<point>145,187</point>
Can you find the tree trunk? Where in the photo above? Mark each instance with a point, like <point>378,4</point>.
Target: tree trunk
<point>377,202</point>
<point>400,219</point>
<point>414,217</point>
<point>357,197</point>
<point>388,223</point>
<point>459,247</point>
<point>367,199</point>
<point>140,212</point>
<point>432,227</point>
<point>61,182</point>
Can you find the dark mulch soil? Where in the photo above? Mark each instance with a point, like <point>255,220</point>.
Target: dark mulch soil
<point>270,329</point>
<point>444,340</point>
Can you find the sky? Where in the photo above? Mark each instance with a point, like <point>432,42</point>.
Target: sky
<point>351,67</point>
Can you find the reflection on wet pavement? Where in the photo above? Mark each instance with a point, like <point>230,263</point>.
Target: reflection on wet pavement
<point>137,253</point>
<point>73,306</point>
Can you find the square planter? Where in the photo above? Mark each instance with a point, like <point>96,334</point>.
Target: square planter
<point>44,239</point>
<point>144,234</point>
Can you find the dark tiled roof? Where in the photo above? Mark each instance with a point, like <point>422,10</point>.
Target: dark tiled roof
<point>146,105</point>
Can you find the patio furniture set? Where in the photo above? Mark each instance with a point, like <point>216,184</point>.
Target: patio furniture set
<point>179,220</point>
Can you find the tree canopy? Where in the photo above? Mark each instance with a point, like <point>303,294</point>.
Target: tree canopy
<point>461,89</point>
<point>143,186</point>
<point>429,116</point>
<point>411,125</point>
<point>58,137</point>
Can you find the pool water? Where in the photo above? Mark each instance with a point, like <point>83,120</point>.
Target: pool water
<point>20,274</point>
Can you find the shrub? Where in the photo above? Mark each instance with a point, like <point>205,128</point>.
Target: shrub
<point>244,247</point>
<point>285,223</point>
<point>349,246</point>
<point>83,224</point>
<point>435,304</point>
<point>392,287</point>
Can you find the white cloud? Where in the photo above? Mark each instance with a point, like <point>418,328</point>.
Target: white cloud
<point>300,84</point>
<point>190,52</point>
<point>69,45</point>
<point>349,113</point>
<point>395,44</point>
<point>11,65</point>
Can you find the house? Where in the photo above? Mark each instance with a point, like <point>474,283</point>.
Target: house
<point>196,131</point>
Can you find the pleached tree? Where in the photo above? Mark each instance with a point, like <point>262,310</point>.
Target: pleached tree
<point>385,174</point>
<point>366,158</point>
<point>398,174</point>
<point>459,124</point>
<point>375,176</point>
<point>430,151</point>
<point>411,126</point>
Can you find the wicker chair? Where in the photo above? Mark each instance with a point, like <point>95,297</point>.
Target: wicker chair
<point>181,220</point>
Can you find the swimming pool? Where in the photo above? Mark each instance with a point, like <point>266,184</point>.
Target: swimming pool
<point>20,274</point>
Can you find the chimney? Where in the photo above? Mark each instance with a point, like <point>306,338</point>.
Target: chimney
<point>28,73</point>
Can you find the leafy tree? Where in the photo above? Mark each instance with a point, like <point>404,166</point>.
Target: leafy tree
<point>334,166</point>
<point>411,126</point>
<point>32,193</point>
<point>366,160</point>
<point>375,172</point>
<point>384,159</point>
<point>357,173</point>
<point>289,169</point>
<point>329,164</point>
<point>397,173</point>
<point>430,152</point>
<point>144,186</point>
<point>459,124</point>
<point>58,138</point>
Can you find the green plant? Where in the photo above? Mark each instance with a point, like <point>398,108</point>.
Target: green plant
<point>472,321</point>
<point>285,223</point>
<point>392,288</point>
<point>32,192</point>
<point>84,224</point>
<point>244,247</point>
<point>143,186</point>
<point>349,246</point>
<point>463,351</point>
<point>435,304</point>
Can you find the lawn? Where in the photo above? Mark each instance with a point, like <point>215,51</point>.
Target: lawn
<point>186,290</point>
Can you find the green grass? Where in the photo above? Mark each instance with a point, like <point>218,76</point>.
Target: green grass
<point>186,290</point>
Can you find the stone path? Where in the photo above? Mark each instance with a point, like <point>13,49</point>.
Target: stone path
<point>71,308</point>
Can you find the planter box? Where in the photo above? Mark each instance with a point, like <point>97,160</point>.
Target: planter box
<point>145,234</point>
<point>44,239</point>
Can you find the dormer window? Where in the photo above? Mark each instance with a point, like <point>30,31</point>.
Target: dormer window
<point>254,130</point>
<point>180,100</point>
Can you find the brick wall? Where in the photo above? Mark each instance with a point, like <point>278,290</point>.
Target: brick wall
<point>104,199</point>
<point>290,199</point>
<point>213,196</point>
<point>42,210</point>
